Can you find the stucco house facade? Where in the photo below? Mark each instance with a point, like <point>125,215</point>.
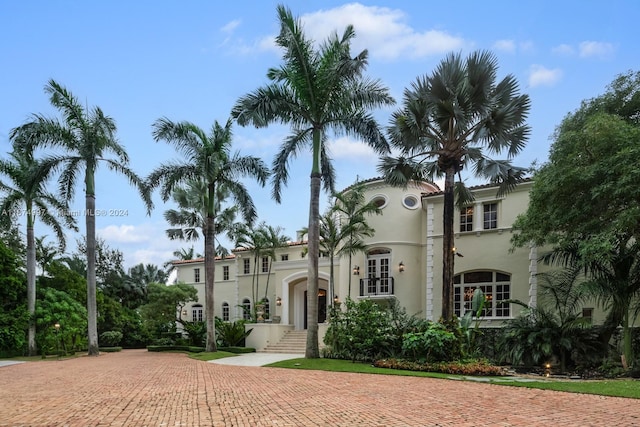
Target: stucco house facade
<point>403,261</point>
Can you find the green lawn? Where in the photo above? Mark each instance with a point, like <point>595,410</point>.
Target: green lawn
<point>621,388</point>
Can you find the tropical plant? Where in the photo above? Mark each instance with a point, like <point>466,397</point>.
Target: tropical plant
<point>232,334</point>
<point>207,157</point>
<point>14,316</point>
<point>315,90</point>
<point>87,138</point>
<point>274,239</point>
<point>584,201</point>
<point>26,195</point>
<point>448,121</point>
<point>45,253</point>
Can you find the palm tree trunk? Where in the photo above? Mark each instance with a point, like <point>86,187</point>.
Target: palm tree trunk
<point>209,280</point>
<point>312,351</point>
<point>92,307</point>
<point>447,246</point>
<point>31,284</point>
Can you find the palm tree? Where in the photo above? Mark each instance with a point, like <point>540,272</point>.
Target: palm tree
<point>207,157</point>
<point>350,205</point>
<point>27,190</point>
<point>447,120</point>
<point>254,240</point>
<point>315,91</point>
<point>274,240</point>
<point>88,137</point>
<point>45,253</point>
<point>191,216</point>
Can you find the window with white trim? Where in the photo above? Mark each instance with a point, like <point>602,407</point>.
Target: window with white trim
<point>466,219</point>
<point>490,216</point>
<point>265,264</point>
<point>246,266</point>
<point>495,285</point>
<point>246,309</point>
<point>197,314</point>
<point>225,272</point>
<point>196,275</point>
<point>225,311</point>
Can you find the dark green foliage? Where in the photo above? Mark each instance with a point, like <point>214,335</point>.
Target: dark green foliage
<point>57,307</point>
<point>430,345</point>
<point>367,331</point>
<point>197,332</point>
<point>110,338</point>
<point>231,334</point>
<point>14,317</point>
<point>238,350</point>
<point>171,347</point>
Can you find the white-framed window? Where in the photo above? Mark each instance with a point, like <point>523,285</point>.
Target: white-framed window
<point>410,201</point>
<point>196,275</point>
<point>197,313</point>
<point>284,257</point>
<point>378,279</point>
<point>246,309</point>
<point>246,266</point>
<point>466,219</point>
<point>490,216</point>
<point>495,285</point>
<point>225,311</point>
<point>225,272</point>
<point>265,264</point>
<point>379,201</point>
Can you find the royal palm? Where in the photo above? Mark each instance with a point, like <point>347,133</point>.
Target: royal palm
<point>316,90</point>
<point>207,157</point>
<point>87,139</point>
<point>447,123</point>
<point>26,196</point>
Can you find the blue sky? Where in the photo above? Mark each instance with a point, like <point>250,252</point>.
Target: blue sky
<point>191,60</point>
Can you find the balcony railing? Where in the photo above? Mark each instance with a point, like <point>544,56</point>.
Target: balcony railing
<point>376,286</point>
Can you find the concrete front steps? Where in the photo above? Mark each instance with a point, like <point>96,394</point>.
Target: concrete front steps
<point>292,342</point>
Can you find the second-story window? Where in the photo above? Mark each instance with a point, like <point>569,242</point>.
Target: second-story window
<point>196,275</point>
<point>466,219</point>
<point>490,216</point>
<point>225,272</point>
<point>284,257</point>
<point>265,264</point>
<point>246,266</point>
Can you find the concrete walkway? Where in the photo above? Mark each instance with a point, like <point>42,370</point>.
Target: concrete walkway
<point>138,388</point>
<point>256,359</point>
<point>9,362</point>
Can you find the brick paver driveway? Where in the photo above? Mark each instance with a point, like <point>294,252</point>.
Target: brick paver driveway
<point>137,388</point>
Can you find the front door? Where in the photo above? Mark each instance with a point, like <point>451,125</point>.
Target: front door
<point>378,277</point>
<point>322,306</point>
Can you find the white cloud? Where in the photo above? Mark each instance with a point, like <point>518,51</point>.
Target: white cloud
<point>347,148</point>
<point>230,26</point>
<point>542,76</point>
<point>123,234</point>
<point>590,49</point>
<point>383,31</point>
<point>564,50</point>
<point>508,46</point>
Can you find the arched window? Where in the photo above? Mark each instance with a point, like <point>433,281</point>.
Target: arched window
<point>495,285</point>
<point>197,313</point>
<point>246,309</point>
<point>225,311</point>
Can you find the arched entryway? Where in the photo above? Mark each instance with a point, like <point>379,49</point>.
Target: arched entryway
<point>294,301</point>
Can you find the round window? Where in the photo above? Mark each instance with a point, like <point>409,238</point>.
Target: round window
<point>410,202</point>
<point>380,201</point>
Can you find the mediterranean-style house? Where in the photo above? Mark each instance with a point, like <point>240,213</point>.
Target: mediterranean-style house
<point>402,261</point>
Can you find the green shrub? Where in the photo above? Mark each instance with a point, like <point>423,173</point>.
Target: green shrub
<point>197,332</point>
<point>231,334</point>
<point>110,338</point>
<point>237,350</point>
<point>431,345</point>
<point>110,349</point>
<point>187,348</point>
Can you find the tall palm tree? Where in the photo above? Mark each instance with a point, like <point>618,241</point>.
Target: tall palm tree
<point>26,194</point>
<point>315,90</point>
<point>254,240</point>
<point>447,120</point>
<point>45,253</point>
<point>274,240</point>
<point>350,205</point>
<point>207,157</point>
<point>87,137</point>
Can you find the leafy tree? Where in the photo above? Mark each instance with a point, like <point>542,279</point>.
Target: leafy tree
<point>14,316</point>
<point>62,278</point>
<point>27,194</point>
<point>585,201</point>
<point>87,138</point>
<point>449,120</point>
<point>352,209</point>
<point>58,307</point>
<point>160,314</point>
<point>315,90</point>
<point>45,253</point>
<point>207,157</point>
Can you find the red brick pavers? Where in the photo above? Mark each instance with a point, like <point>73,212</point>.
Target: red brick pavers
<point>137,388</point>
